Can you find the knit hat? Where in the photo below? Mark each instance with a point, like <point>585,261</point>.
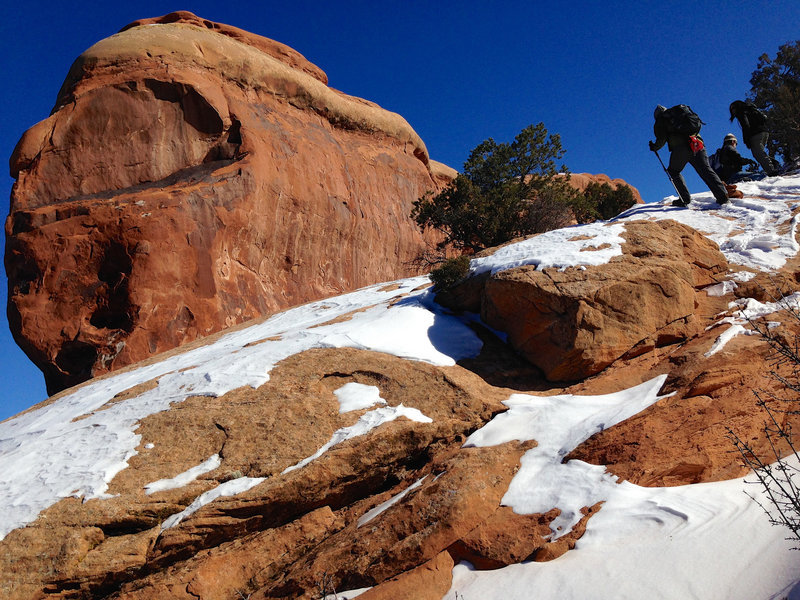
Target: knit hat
<point>730,137</point>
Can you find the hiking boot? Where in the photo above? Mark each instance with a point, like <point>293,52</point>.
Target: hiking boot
<point>732,191</point>
<point>680,203</point>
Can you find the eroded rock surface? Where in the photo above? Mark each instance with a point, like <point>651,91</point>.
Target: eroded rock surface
<point>392,510</point>
<point>573,323</point>
<point>192,176</point>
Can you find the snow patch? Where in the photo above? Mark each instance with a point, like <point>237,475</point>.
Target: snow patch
<point>367,422</point>
<point>372,513</point>
<point>229,488</point>
<point>183,478</point>
<point>590,244</point>
<point>355,396</point>
<point>73,448</point>
<point>559,424</point>
<point>749,310</point>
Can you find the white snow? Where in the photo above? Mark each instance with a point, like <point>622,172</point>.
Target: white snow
<point>726,336</point>
<point>355,396</point>
<point>182,479</point>
<point>371,514</point>
<point>742,276</point>
<point>590,244</point>
<point>723,288</point>
<point>692,542</point>
<point>751,232</point>
<point>76,445</point>
<point>756,232</point>
<point>229,488</point>
<point>695,541</point>
<point>559,424</point>
<point>750,309</point>
<point>367,422</point>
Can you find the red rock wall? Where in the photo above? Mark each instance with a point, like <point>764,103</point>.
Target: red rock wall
<point>581,181</point>
<point>193,176</point>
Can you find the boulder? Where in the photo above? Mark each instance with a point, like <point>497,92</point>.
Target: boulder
<point>190,177</point>
<point>573,323</point>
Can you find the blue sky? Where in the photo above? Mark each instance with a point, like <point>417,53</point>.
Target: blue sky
<point>459,72</point>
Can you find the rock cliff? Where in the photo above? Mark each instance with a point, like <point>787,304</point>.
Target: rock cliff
<point>190,177</point>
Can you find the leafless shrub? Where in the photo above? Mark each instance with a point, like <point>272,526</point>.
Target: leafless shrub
<point>776,471</point>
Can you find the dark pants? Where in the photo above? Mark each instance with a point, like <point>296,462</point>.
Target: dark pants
<point>678,158</point>
<point>756,145</point>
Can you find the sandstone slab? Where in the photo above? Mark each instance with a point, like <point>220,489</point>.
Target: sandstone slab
<point>573,323</point>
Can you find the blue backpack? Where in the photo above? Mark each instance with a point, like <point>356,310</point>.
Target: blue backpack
<point>715,161</point>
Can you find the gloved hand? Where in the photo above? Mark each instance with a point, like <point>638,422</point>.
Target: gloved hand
<point>652,146</point>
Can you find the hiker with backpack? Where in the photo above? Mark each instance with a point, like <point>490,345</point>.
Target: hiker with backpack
<point>728,163</point>
<point>678,127</point>
<point>754,133</point>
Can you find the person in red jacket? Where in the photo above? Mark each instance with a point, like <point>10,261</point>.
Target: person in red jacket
<point>680,154</point>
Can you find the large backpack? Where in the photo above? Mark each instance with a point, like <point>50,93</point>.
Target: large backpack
<point>682,119</point>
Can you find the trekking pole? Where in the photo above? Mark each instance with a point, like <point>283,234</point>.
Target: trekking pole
<point>667,172</point>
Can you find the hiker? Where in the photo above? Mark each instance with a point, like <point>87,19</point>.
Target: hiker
<point>678,128</point>
<point>754,133</point>
<point>728,163</point>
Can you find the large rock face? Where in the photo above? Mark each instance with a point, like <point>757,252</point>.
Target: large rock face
<point>573,323</point>
<point>192,176</point>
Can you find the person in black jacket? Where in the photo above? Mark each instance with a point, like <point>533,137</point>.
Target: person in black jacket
<point>730,161</point>
<point>680,154</point>
<point>754,133</point>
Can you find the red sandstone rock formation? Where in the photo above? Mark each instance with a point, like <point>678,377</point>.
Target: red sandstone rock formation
<point>298,530</point>
<point>582,180</point>
<point>574,323</point>
<point>192,176</point>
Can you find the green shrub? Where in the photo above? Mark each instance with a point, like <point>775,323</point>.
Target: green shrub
<point>775,88</point>
<point>451,271</point>
<point>605,202</point>
<point>505,191</point>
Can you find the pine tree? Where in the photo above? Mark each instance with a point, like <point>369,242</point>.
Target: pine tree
<point>505,191</point>
<point>775,88</point>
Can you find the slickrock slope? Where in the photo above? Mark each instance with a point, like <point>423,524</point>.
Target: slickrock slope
<point>535,430</point>
<point>378,442</point>
<point>193,176</point>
